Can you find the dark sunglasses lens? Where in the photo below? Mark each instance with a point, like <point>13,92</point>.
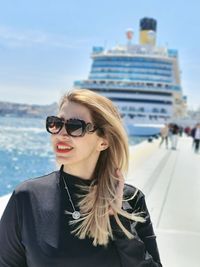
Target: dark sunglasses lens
<point>53,124</point>
<point>75,128</point>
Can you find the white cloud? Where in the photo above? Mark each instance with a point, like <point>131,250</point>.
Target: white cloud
<point>23,38</point>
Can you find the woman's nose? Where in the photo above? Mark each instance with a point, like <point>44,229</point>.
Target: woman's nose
<point>63,131</point>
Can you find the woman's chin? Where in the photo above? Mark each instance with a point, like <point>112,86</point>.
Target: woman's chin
<point>62,160</point>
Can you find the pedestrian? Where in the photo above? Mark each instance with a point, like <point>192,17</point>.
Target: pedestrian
<point>174,131</point>
<point>187,131</point>
<point>196,137</point>
<point>83,214</point>
<point>164,132</point>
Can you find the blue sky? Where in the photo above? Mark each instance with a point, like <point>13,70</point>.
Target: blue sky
<point>45,45</point>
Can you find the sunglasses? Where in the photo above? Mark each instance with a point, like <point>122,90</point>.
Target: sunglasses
<point>73,127</point>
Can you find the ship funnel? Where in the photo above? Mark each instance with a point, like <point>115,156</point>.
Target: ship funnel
<point>148,31</point>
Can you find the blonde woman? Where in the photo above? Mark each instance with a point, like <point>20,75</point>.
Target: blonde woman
<point>83,214</point>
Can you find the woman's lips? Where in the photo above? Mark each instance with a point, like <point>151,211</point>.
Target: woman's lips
<point>63,148</point>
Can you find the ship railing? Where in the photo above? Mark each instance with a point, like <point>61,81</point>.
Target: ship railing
<point>126,86</point>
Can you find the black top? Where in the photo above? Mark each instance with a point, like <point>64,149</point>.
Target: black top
<point>76,252</point>
<point>35,232</point>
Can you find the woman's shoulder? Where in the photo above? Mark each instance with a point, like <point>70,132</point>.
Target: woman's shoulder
<point>38,183</point>
<point>130,190</point>
<point>134,197</point>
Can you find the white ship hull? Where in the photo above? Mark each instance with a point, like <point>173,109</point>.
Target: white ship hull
<point>143,129</point>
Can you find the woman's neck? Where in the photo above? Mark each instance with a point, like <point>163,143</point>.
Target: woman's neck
<point>85,174</point>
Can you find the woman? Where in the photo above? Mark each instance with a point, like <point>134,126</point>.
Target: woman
<point>81,215</point>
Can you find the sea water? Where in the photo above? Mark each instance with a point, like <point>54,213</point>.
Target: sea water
<point>25,151</point>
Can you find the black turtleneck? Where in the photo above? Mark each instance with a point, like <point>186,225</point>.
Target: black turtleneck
<point>78,252</point>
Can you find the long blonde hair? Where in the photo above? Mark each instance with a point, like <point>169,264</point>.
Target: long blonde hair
<point>95,206</point>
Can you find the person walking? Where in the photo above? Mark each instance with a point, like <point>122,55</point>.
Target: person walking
<point>82,215</point>
<point>164,135</point>
<point>196,137</point>
<point>174,130</point>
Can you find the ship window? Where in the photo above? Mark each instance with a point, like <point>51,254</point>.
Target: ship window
<point>124,108</point>
<point>140,115</point>
<point>149,84</point>
<point>163,110</point>
<point>132,108</point>
<point>131,116</point>
<point>141,109</point>
<point>155,110</point>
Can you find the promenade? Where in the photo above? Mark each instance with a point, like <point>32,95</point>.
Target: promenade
<point>170,180</point>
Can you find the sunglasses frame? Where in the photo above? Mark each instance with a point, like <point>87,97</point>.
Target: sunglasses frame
<point>86,127</point>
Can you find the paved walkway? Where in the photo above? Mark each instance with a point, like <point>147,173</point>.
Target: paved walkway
<point>170,180</point>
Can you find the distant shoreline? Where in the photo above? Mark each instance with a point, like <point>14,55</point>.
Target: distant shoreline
<point>8,109</point>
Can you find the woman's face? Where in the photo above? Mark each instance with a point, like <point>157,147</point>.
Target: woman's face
<point>79,155</point>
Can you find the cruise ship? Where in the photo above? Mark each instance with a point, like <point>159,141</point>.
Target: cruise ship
<point>143,80</point>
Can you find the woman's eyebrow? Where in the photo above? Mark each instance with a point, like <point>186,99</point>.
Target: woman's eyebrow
<point>60,116</point>
<point>76,117</point>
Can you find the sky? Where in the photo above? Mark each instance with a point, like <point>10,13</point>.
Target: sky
<point>46,45</point>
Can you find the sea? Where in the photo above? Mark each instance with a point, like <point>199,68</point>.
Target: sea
<point>25,151</point>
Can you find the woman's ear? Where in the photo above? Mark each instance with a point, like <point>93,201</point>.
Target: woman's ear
<point>103,144</point>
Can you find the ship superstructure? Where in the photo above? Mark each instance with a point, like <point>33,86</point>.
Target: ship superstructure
<point>143,80</point>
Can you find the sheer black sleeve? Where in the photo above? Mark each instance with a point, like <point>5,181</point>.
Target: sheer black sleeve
<point>142,250</point>
<point>145,230</point>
